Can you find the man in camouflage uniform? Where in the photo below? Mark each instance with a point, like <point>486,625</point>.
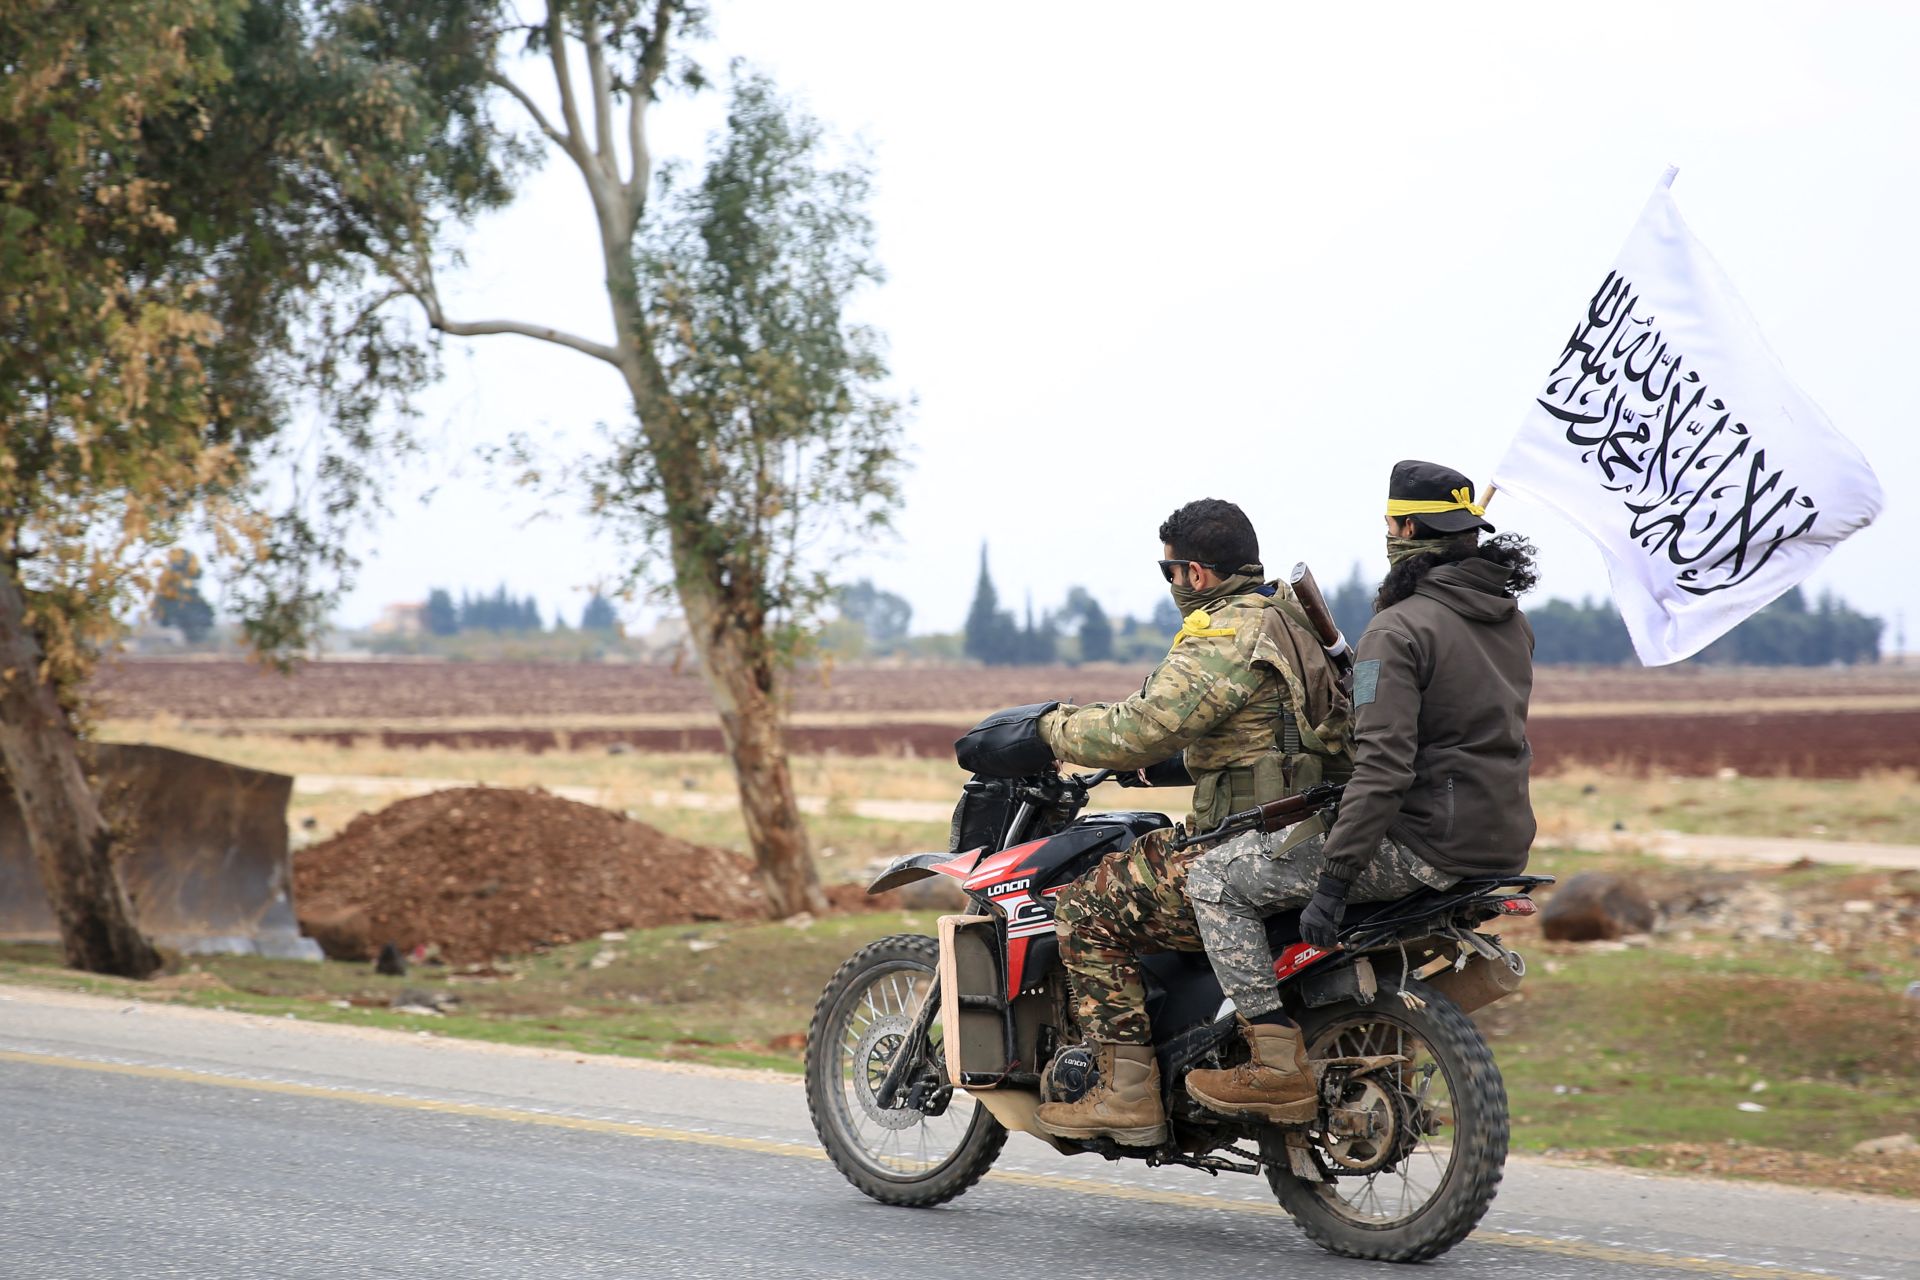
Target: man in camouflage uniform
<point>1250,698</point>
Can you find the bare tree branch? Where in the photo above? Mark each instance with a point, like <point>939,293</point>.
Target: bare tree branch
<point>560,337</point>
<point>427,293</point>
<point>602,89</point>
<point>641,159</point>
<point>653,62</point>
<point>545,126</point>
<point>563,78</point>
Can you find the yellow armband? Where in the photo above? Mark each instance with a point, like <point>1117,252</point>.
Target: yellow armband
<point>1198,623</point>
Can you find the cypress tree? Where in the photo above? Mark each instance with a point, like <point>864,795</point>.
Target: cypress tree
<point>984,633</point>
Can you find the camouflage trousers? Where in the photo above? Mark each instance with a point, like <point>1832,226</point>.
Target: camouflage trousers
<point>1133,904</point>
<point>1235,886</point>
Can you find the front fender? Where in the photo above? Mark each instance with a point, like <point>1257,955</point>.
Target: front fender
<point>915,866</point>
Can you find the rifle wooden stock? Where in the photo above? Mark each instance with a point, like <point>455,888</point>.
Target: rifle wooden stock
<point>1270,816</point>
<point>1314,605</point>
<point>1276,814</point>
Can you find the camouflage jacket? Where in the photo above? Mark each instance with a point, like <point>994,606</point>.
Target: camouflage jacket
<point>1219,697</point>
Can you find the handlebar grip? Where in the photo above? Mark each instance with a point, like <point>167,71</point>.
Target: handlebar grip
<point>1171,772</point>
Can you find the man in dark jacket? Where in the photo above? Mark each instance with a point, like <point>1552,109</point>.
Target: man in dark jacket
<point>1439,786</point>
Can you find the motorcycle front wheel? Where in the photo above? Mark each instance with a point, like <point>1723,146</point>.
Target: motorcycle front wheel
<point>1419,1182</point>
<point>935,1141</point>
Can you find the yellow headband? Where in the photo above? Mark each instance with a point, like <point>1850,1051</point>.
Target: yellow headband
<point>1462,501</point>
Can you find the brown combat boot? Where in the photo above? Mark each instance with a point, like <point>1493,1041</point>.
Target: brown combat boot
<point>1124,1104</point>
<point>1276,1086</point>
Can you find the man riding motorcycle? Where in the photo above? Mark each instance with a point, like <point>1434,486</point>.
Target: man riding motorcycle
<point>1250,697</point>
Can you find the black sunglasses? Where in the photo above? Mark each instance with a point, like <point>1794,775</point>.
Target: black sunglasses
<point>1166,567</point>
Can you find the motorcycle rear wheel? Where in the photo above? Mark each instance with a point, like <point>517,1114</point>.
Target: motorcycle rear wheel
<point>897,1155</point>
<point>1427,1197</point>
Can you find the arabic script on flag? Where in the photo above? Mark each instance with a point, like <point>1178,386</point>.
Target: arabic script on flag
<point>1695,483</point>
<point>1669,433</point>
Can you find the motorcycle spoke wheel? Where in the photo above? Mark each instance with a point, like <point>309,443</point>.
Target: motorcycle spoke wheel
<point>1407,1169</point>
<point>1420,1183</point>
<point>898,1154</point>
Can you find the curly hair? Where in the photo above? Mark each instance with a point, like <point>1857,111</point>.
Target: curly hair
<point>1509,550</point>
<point>1212,531</point>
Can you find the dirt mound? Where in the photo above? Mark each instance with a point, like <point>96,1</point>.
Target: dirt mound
<point>486,871</point>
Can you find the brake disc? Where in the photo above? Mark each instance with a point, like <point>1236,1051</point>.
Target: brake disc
<point>871,1058</point>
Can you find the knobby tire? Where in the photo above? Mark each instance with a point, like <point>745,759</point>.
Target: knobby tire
<point>1479,1103</point>
<point>985,1136</point>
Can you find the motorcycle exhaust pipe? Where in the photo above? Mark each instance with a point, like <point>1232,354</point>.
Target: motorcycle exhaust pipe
<point>1481,982</point>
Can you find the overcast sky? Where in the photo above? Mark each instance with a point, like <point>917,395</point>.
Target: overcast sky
<point>1252,251</point>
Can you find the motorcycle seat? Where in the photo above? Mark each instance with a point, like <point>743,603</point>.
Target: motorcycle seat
<point>1283,929</point>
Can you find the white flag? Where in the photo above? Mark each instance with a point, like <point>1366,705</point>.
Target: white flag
<point>1671,435</point>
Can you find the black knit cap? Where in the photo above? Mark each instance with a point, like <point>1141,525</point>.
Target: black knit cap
<point>1415,481</point>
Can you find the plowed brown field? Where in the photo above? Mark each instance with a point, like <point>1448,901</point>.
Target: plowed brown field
<point>1817,723</point>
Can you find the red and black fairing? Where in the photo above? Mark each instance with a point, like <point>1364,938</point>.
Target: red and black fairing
<point>1020,883</point>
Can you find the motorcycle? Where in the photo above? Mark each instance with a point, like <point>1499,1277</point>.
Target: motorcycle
<point>924,1053</point>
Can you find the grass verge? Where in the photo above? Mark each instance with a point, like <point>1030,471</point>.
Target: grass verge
<point>1881,807</point>
<point>729,994</point>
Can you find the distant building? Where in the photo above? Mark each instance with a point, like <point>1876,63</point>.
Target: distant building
<point>401,620</point>
<point>668,641</point>
<point>150,637</point>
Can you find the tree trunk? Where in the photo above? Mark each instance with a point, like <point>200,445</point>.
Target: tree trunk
<point>743,689</point>
<point>70,839</point>
<point>738,672</point>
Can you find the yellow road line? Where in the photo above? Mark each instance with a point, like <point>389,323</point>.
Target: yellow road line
<point>1581,1249</point>
<point>511,1115</point>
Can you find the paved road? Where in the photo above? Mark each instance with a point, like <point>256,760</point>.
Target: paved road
<point>142,1140</point>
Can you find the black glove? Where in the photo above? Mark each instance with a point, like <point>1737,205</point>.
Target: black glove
<point>1320,922</point>
<point>1171,772</point>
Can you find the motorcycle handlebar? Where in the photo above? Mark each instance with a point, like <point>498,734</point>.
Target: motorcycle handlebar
<point>1051,789</point>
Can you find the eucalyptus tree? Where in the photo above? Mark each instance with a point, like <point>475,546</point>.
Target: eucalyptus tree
<point>760,434</point>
